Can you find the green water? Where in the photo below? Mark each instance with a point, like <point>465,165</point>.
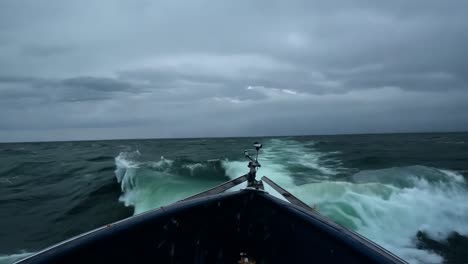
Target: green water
<point>407,192</point>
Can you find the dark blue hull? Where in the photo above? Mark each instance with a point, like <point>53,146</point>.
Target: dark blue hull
<point>217,228</point>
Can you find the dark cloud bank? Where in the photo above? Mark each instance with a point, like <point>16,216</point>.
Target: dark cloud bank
<point>131,69</point>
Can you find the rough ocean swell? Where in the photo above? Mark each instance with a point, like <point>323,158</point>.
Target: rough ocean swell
<point>406,199</point>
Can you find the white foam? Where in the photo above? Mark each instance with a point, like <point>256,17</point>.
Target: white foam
<point>392,216</point>
<point>193,167</point>
<point>388,206</point>
<point>453,175</point>
<point>7,259</point>
<point>278,156</point>
<point>148,185</point>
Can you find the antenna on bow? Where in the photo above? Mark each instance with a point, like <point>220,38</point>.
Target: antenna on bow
<point>253,166</point>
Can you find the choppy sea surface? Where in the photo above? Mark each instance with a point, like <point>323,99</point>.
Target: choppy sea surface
<point>407,192</point>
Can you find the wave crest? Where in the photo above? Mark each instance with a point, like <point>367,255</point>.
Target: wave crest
<point>150,184</point>
<point>390,206</point>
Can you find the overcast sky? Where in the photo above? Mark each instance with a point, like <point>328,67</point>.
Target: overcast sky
<point>147,69</point>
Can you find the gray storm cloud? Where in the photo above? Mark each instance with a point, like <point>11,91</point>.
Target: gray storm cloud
<point>125,69</point>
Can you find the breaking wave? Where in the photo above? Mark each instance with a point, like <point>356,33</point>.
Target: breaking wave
<point>150,184</point>
<point>392,206</point>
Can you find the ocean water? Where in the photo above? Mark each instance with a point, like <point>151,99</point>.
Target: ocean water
<point>406,192</point>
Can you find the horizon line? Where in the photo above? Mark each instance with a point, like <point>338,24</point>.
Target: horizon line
<point>221,137</point>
